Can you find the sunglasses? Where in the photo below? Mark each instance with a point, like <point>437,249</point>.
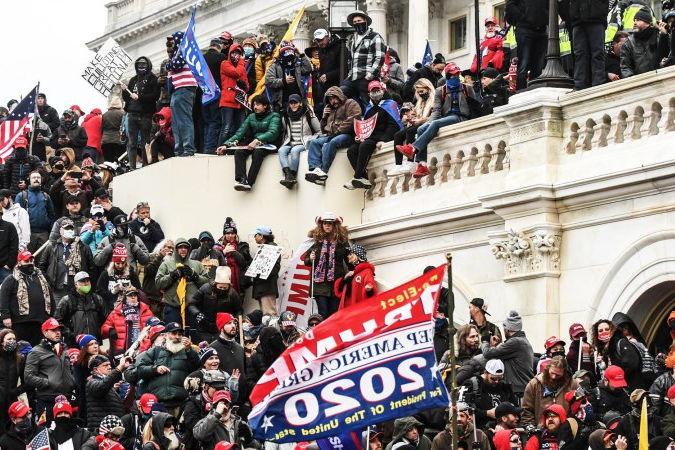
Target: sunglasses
<point>313,324</point>
<point>496,379</point>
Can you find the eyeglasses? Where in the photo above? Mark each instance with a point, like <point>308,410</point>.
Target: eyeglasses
<point>551,415</point>
<point>496,379</point>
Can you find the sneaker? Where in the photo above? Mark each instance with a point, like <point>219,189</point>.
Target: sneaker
<point>407,150</point>
<point>397,170</point>
<point>241,185</point>
<point>349,185</point>
<point>407,167</point>
<point>321,175</point>
<point>185,154</point>
<point>361,183</point>
<point>312,176</point>
<point>422,171</point>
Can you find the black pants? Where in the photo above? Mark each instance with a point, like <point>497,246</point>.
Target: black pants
<point>359,155</point>
<point>28,331</point>
<point>112,151</point>
<point>136,123</point>
<point>240,157</point>
<point>405,136</point>
<point>157,147</point>
<point>46,405</point>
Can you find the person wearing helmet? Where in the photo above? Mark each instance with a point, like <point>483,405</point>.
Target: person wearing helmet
<point>359,283</point>
<point>198,403</point>
<point>328,259</point>
<point>136,249</point>
<point>387,124</point>
<point>69,135</point>
<point>287,75</point>
<point>450,106</point>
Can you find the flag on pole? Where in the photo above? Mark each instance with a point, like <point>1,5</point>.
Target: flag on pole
<point>428,55</point>
<point>288,36</point>
<point>40,441</point>
<point>295,286</point>
<point>18,122</point>
<point>644,434</point>
<point>366,364</point>
<point>197,64</point>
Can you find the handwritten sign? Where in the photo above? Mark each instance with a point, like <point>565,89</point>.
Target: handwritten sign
<point>106,69</point>
<point>364,128</point>
<point>264,261</point>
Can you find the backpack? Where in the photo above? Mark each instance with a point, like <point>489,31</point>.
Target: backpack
<point>24,198</point>
<point>475,107</point>
<point>646,360</point>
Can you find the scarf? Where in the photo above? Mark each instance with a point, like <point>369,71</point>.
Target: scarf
<point>316,63</point>
<point>181,291</point>
<point>74,261</point>
<point>22,291</point>
<point>234,268</point>
<point>325,265</point>
<point>132,319</point>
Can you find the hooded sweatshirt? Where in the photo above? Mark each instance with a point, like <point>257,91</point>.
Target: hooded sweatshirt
<point>230,74</point>
<point>147,88</point>
<point>92,125</point>
<point>502,439</point>
<point>49,115</point>
<point>166,282</point>
<point>341,119</point>
<point>165,130</point>
<point>402,426</point>
<point>19,217</point>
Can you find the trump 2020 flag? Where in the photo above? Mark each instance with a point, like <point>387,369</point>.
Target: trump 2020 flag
<point>366,364</point>
<point>428,55</point>
<point>195,61</point>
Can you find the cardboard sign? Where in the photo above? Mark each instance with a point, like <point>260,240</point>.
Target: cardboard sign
<point>264,261</point>
<point>106,69</point>
<point>364,128</point>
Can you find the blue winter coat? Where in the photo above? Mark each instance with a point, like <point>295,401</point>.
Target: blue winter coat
<point>40,209</point>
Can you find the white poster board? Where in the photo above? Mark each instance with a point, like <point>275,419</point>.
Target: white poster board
<point>264,261</point>
<point>105,70</point>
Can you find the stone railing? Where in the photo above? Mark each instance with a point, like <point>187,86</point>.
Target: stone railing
<point>467,150</point>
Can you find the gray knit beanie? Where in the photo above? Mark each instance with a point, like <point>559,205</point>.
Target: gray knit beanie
<point>513,322</point>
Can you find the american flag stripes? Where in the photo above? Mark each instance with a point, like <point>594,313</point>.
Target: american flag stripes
<point>16,124</point>
<point>40,441</point>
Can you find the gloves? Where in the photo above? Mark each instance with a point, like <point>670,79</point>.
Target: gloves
<point>244,432</point>
<point>531,430</point>
<point>188,272</point>
<point>660,360</point>
<point>231,144</point>
<point>200,317</point>
<point>176,274</point>
<point>112,334</point>
<point>241,84</point>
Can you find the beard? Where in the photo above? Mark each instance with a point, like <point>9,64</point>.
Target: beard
<point>173,347</point>
<point>174,443</point>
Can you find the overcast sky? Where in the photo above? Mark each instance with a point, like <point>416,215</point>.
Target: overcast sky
<point>44,40</point>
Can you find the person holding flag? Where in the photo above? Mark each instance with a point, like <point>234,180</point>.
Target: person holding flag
<point>287,75</point>
<point>183,89</point>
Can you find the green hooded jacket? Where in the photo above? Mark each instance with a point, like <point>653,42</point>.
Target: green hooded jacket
<point>166,283</point>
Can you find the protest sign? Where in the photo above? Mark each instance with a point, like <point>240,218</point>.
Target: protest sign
<point>106,69</point>
<point>364,128</point>
<point>264,261</point>
<point>295,285</point>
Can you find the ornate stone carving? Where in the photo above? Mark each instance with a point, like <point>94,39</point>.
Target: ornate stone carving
<point>394,19</point>
<point>376,4</point>
<point>435,9</point>
<point>531,253</point>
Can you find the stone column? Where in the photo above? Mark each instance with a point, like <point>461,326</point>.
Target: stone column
<point>303,33</point>
<point>377,10</point>
<point>418,29</point>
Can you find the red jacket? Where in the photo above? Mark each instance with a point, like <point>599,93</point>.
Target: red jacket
<point>364,274</point>
<point>492,53</point>
<point>116,320</point>
<point>229,74</point>
<point>166,131</point>
<point>92,124</point>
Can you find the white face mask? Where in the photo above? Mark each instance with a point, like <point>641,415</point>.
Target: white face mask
<point>68,234</point>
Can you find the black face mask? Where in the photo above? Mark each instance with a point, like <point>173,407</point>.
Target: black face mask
<point>560,353</point>
<point>27,269</point>
<point>64,422</point>
<point>221,292</point>
<point>424,96</point>
<point>25,427</point>
<point>361,27</point>
<point>20,153</point>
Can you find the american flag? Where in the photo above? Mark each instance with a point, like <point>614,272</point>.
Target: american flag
<point>40,441</point>
<point>16,124</point>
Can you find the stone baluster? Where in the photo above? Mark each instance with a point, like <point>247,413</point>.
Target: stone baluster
<point>666,122</point>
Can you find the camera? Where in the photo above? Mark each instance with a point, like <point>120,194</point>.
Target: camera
<point>76,175</point>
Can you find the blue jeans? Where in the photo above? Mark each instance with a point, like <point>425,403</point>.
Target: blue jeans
<point>212,125</point>
<point>531,54</point>
<point>295,156</point>
<point>428,131</point>
<point>323,149</point>
<point>327,305</point>
<point>230,121</point>
<point>4,273</point>
<point>182,124</point>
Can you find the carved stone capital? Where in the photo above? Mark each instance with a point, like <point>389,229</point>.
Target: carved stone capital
<point>373,5</point>
<point>528,254</point>
<point>435,9</point>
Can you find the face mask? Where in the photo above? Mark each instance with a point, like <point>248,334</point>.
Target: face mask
<point>554,354</point>
<point>361,27</point>
<point>11,346</point>
<point>221,292</point>
<point>249,51</point>
<point>376,96</point>
<point>24,427</point>
<point>68,234</point>
<point>20,153</point>
<point>452,83</point>
<point>234,57</point>
<point>27,269</point>
<point>161,123</point>
<point>84,289</point>
<point>604,336</point>
<point>142,70</point>
<point>288,61</point>
<point>316,62</point>
<point>424,96</point>
<point>246,326</point>
<point>63,422</point>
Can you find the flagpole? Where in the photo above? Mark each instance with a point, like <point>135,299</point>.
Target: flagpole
<point>32,130</point>
<point>450,298</point>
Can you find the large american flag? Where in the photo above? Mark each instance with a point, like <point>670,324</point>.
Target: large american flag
<point>16,124</point>
<point>40,441</point>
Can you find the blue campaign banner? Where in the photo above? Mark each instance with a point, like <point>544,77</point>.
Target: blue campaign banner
<point>366,364</point>
<point>344,441</point>
<point>195,61</point>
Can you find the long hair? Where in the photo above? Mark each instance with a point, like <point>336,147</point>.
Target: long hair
<point>558,362</point>
<point>594,334</point>
<point>83,357</point>
<point>339,235</point>
<point>462,333</point>
<point>423,108</point>
<point>17,355</point>
<point>111,268</point>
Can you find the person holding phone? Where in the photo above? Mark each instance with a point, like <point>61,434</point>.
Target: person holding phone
<point>69,135</point>
<point>221,424</point>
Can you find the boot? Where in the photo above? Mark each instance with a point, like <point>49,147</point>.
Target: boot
<point>287,181</point>
<point>294,176</point>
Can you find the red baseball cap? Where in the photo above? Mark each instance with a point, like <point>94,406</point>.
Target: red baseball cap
<point>553,340</point>
<point>78,109</point>
<point>616,377</point>
<point>491,20</point>
<point>147,400</point>
<point>576,329</point>
<point>222,395</point>
<point>24,256</point>
<point>18,409</point>
<point>224,445</point>
<point>50,324</point>
<point>452,68</point>
<point>375,84</point>
<point>21,142</point>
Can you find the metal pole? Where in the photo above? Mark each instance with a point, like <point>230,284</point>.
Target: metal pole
<point>311,297</point>
<point>35,114</point>
<point>553,74</point>
<point>450,298</point>
<point>581,346</point>
<point>479,56</point>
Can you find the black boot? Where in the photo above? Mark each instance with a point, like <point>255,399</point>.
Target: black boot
<point>287,181</point>
<point>294,176</point>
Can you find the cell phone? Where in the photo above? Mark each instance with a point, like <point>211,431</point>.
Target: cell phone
<point>235,410</point>
<point>186,333</point>
<point>76,175</point>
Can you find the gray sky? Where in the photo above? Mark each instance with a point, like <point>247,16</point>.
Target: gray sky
<point>44,40</point>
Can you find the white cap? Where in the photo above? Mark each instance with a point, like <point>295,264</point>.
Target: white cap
<point>495,367</point>
<point>320,33</point>
<point>79,276</point>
